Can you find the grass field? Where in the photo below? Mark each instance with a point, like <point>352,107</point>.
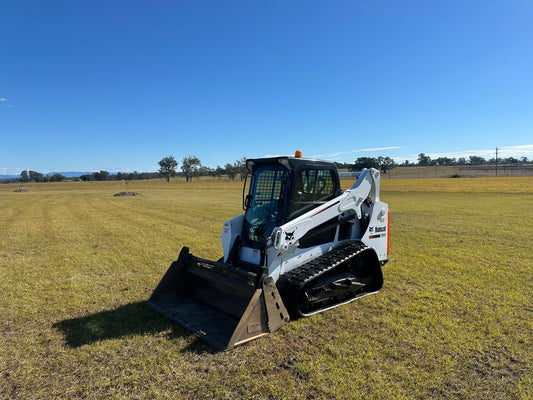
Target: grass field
<point>453,320</point>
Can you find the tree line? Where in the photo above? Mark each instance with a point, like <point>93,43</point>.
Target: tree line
<point>33,176</point>
<point>425,160</point>
<point>386,164</point>
<point>191,167</point>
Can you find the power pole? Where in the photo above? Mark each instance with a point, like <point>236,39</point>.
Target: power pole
<point>496,161</point>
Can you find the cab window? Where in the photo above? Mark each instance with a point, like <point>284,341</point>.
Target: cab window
<point>312,188</point>
<point>265,193</point>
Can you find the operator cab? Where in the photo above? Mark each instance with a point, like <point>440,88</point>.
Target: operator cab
<point>281,189</point>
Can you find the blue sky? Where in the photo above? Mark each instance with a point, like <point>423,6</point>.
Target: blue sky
<point>117,85</point>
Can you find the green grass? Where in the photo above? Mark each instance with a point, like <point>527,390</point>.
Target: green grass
<point>454,319</point>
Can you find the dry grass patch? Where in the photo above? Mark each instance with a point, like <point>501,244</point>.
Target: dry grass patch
<point>454,319</point>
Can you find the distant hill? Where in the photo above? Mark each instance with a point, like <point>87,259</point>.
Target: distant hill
<point>68,174</point>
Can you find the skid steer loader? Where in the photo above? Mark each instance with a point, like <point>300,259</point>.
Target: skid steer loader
<point>302,246</point>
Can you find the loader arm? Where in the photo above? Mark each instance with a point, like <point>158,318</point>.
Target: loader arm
<point>285,238</point>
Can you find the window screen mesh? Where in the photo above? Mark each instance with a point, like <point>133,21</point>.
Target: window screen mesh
<point>268,186</point>
<point>261,217</point>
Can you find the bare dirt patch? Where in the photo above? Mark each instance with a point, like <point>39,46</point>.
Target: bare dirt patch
<point>127,194</point>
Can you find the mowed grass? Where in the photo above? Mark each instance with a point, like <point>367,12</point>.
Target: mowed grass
<point>453,320</point>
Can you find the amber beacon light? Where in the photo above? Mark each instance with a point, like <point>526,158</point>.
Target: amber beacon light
<point>298,154</point>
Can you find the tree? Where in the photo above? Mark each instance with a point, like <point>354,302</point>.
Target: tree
<point>24,177</point>
<point>219,172</point>
<point>101,176</point>
<point>168,167</point>
<point>205,171</point>
<point>510,160</point>
<point>386,164</point>
<point>231,171</point>
<point>87,177</point>
<point>190,166</point>
<point>365,162</point>
<point>476,160</point>
<point>57,178</point>
<point>424,160</point>
<point>240,167</point>
<point>35,176</point>
<point>445,161</point>
<point>342,165</point>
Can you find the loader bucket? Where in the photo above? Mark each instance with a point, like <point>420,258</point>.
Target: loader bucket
<point>224,305</point>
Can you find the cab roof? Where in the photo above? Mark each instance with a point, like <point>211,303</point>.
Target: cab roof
<point>290,163</point>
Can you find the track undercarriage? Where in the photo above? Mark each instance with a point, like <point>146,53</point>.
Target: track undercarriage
<point>340,276</point>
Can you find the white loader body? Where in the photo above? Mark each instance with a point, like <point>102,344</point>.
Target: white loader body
<point>283,253</point>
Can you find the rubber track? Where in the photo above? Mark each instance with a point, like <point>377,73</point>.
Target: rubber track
<point>294,281</point>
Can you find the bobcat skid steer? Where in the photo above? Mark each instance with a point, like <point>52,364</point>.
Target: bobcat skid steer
<point>302,246</point>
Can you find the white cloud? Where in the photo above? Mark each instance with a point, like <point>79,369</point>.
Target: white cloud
<point>343,153</point>
<point>381,148</point>
<point>4,103</point>
<point>523,149</point>
<point>10,171</point>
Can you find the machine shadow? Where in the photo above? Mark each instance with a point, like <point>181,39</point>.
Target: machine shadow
<point>130,319</point>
